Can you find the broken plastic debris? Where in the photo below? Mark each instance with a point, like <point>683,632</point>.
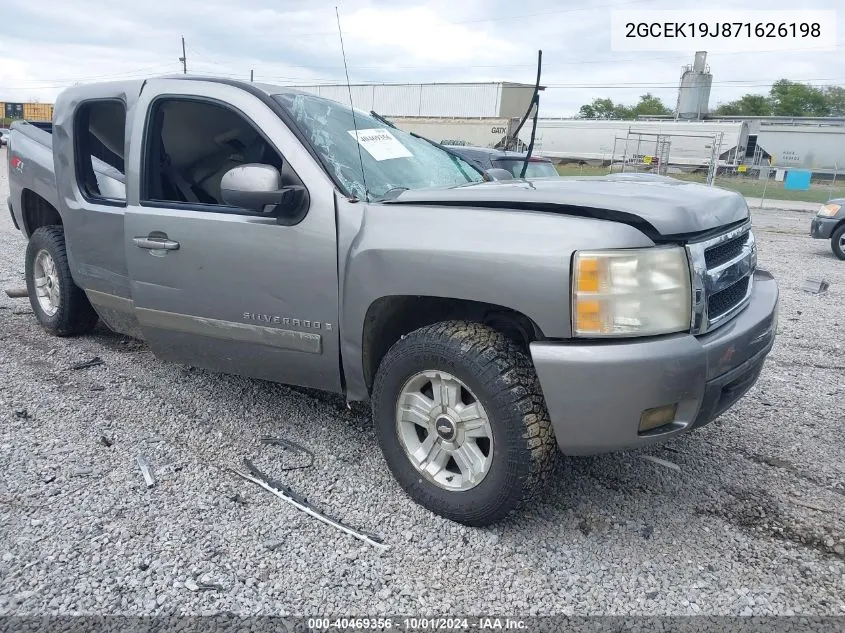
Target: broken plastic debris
<point>144,465</point>
<point>293,446</point>
<point>285,493</point>
<point>93,362</point>
<point>815,286</point>
<point>661,462</point>
<point>16,293</point>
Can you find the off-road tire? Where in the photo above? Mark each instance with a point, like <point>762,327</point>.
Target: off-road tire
<point>74,315</point>
<point>502,377</point>
<point>836,241</point>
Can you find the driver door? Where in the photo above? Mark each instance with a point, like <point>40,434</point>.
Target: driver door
<point>216,286</point>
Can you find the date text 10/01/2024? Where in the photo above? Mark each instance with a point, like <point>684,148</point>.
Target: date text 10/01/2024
<point>417,624</point>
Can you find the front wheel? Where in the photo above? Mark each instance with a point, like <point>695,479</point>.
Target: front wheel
<point>837,242</point>
<point>60,306</point>
<point>462,422</point>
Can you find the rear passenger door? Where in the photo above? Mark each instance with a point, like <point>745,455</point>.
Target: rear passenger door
<point>216,286</point>
<point>89,146</point>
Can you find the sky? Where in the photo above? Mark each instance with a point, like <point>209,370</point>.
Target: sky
<point>47,45</point>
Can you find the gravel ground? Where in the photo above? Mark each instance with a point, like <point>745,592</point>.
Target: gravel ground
<point>752,524</point>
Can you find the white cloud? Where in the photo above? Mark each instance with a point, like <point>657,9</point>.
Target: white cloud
<point>417,35</point>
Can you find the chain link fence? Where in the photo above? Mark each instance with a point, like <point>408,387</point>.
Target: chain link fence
<point>762,182</point>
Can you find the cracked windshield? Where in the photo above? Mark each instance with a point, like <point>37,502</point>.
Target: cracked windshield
<point>393,160</point>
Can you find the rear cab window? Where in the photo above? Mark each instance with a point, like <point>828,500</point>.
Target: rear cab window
<point>99,150</point>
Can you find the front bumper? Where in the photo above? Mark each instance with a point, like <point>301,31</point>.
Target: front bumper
<point>596,391</point>
<point>822,228</point>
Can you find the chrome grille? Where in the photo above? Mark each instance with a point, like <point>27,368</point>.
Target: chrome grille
<point>722,277</point>
<point>725,252</point>
<point>726,299</point>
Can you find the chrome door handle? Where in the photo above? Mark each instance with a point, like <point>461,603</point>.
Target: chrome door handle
<point>156,243</point>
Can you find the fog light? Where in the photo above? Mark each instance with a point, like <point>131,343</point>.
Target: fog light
<point>656,417</point>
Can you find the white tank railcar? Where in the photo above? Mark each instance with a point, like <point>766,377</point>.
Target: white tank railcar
<point>603,141</point>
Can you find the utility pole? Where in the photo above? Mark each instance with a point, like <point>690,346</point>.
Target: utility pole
<point>184,59</point>
<point>251,75</point>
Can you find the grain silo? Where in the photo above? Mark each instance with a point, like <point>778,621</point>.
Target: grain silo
<point>694,92</point>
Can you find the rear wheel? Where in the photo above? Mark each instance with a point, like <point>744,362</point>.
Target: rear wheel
<point>837,242</point>
<point>60,306</point>
<point>462,422</point>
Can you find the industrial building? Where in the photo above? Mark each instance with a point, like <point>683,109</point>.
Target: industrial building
<point>476,100</point>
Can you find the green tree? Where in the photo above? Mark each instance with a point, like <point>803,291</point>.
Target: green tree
<point>835,98</point>
<point>746,105</point>
<point>785,98</point>
<point>791,98</point>
<point>606,109</point>
<point>603,109</point>
<point>649,104</point>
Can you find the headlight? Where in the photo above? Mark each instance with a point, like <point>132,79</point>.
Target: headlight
<point>829,210</point>
<point>637,292</point>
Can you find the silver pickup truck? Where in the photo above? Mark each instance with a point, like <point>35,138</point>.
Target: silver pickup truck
<point>275,234</point>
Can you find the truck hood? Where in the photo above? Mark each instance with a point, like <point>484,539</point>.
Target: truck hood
<point>659,206</point>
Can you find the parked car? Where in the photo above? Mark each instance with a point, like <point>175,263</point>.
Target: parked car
<point>4,136</point>
<point>487,158</point>
<point>829,223</point>
<point>270,233</point>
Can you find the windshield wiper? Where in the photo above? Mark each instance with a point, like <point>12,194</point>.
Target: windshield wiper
<point>456,158</point>
<point>381,119</point>
<point>390,194</point>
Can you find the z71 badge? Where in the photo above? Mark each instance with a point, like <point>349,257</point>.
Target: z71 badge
<point>277,320</point>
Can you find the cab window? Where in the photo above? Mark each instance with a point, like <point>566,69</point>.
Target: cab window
<point>192,143</point>
<point>99,148</point>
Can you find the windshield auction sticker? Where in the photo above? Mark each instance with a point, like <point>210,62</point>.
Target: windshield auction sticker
<point>724,31</point>
<point>380,144</point>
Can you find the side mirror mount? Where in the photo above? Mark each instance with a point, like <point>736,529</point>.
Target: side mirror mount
<point>256,186</point>
<point>497,173</point>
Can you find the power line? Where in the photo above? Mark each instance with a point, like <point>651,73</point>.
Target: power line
<point>146,70</point>
<point>290,82</point>
<point>208,59</point>
<point>577,62</point>
<point>34,84</point>
<point>320,80</point>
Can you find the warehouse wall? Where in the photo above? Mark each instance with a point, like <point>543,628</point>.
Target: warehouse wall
<point>515,101</point>
<point>431,100</point>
